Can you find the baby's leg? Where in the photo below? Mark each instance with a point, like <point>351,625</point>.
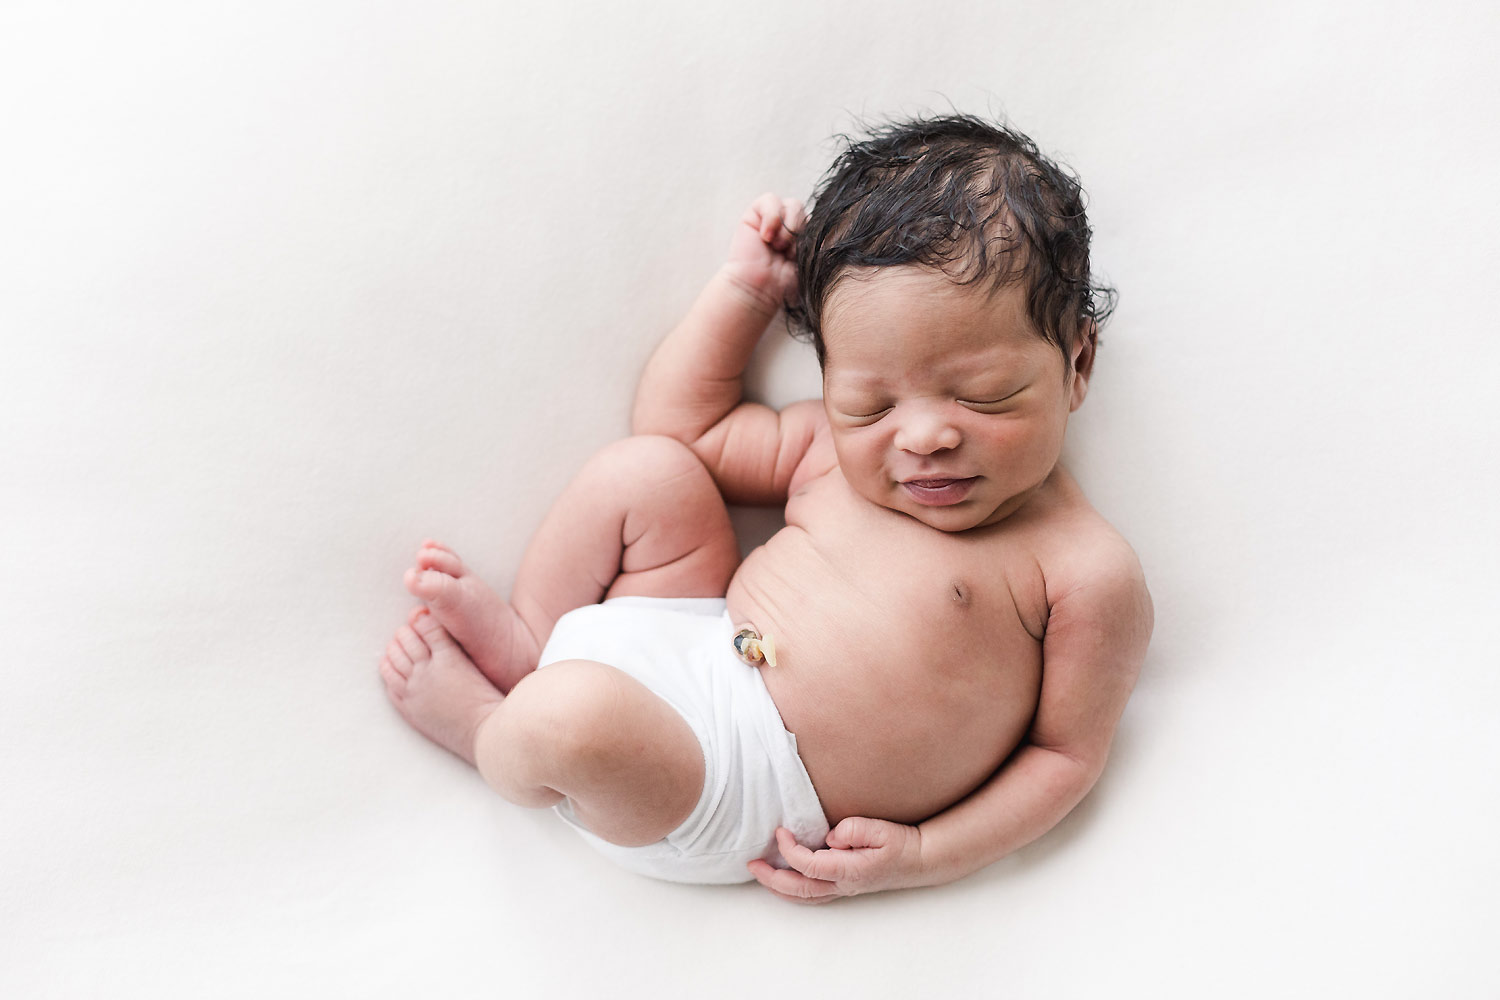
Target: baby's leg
<point>628,763</point>
<point>642,518</point>
<point>631,766</point>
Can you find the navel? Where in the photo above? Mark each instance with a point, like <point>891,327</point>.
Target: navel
<point>959,593</point>
<point>753,647</point>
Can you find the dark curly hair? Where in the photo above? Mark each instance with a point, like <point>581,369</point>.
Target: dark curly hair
<point>971,198</point>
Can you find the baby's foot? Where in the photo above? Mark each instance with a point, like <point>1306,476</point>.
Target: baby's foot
<point>435,687</point>
<point>488,629</point>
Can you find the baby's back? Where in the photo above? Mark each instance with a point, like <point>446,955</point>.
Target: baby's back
<point>909,660</point>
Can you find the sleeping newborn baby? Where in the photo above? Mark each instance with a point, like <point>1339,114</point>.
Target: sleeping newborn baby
<point>924,669</point>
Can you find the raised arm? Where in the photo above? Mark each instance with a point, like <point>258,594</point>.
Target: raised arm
<point>692,388</point>
<point>1096,639</point>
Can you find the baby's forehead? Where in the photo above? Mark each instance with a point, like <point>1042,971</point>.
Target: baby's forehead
<point>857,294</point>
<point>917,302</point>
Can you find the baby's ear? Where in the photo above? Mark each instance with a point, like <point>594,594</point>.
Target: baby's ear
<point>1084,346</point>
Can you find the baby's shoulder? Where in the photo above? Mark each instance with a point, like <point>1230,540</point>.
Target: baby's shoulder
<point>1083,552</point>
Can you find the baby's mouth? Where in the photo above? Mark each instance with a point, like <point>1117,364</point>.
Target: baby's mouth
<point>939,492</point>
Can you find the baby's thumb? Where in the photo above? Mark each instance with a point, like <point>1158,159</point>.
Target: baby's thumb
<point>855,831</point>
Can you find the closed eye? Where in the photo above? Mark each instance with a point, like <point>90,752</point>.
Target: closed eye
<point>991,402</point>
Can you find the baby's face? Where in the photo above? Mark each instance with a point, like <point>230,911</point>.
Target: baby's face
<point>944,405</point>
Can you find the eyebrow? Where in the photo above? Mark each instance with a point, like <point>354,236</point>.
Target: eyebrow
<point>856,380</point>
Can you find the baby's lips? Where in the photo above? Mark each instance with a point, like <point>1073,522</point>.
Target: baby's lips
<point>933,482</point>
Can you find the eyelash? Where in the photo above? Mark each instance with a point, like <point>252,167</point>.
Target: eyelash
<point>962,402</point>
<point>981,405</point>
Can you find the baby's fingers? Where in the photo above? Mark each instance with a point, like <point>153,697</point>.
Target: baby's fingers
<point>765,214</point>
<point>796,215</point>
<point>790,885</point>
<point>826,866</point>
<point>793,215</point>
<point>776,220</point>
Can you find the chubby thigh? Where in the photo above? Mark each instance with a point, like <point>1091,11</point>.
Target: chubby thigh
<point>630,766</point>
<point>742,763</point>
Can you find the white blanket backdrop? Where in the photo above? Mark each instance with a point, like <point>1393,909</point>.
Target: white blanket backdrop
<point>288,287</point>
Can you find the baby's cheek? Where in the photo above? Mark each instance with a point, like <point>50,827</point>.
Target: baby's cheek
<point>873,476</point>
<point>1021,436</point>
<point>857,460</point>
<point>1041,445</point>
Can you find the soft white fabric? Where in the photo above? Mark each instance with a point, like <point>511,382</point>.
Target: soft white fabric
<point>753,781</point>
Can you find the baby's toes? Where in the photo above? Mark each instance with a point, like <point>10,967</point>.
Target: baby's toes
<point>412,645</point>
<point>443,560</point>
<point>395,654</point>
<point>395,681</point>
<point>432,633</point>
<point>432,587</point>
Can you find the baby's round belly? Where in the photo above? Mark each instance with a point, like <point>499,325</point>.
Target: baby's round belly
<point>902,698</point>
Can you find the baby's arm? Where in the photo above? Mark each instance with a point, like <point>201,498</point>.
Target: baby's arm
<point>1096,638</point>
<point>692,388</point>
<point>1097,633</point>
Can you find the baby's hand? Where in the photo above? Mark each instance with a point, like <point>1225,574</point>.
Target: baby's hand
<point>761,252</point>
<point>863,855</point>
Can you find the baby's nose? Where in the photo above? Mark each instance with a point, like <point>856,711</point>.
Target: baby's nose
<point>927,431</point>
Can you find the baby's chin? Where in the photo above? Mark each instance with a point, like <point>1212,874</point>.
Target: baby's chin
<point>955,519</point>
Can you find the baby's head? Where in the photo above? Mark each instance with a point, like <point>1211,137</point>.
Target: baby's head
<point>973,200</point>
<point>943,278</point>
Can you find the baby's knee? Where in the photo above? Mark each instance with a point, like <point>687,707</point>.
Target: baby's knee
<point>554,718</point>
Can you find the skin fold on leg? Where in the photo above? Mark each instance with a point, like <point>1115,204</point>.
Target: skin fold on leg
<point>631,766</point>
<point>642,518</point>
